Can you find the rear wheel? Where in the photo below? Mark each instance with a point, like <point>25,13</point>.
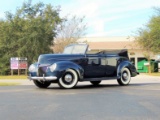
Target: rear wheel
<point>69,79</point>
<point>125,77</point>
<point>95,83</point>
<point>41,84</point>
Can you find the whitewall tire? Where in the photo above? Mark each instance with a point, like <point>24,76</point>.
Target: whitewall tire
<point>69,79</point>
<point>125,77</point>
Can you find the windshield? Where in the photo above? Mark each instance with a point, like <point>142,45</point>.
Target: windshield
<point>75,49</point>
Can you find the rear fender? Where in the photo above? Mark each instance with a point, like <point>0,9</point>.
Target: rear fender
<point>124,64</point>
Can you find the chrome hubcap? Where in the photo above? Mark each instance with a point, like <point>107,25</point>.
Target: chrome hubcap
<point>68,78</point>
<point>125,76</point>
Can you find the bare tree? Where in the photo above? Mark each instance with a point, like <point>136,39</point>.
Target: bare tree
<point>69,31</point>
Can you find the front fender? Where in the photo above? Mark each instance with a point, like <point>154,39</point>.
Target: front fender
<point>31,71</point>
<point>63,66</point>
<point>126,64</point>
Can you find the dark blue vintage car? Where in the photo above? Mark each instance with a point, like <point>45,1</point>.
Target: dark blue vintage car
<point>75,65</point>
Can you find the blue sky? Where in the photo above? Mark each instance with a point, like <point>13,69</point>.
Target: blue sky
<point>103,17</point>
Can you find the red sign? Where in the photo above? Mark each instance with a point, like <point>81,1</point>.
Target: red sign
<point>22,65</point>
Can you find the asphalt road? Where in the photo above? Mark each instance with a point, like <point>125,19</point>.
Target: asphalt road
<point>138,101</point>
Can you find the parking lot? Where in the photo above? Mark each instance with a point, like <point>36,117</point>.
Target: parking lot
<point>140,100</point>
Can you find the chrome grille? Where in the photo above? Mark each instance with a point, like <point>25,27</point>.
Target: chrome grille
<point>42,71</point>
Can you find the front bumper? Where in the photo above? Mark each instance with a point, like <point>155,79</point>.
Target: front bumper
<point>44,78</point>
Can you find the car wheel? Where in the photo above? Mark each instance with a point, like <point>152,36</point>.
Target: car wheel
<point>95,83</point>
<point>125,77</point>
<point>41,84</point>
<point>68,80</point>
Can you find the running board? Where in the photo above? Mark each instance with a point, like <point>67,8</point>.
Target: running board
<point>99,79</point>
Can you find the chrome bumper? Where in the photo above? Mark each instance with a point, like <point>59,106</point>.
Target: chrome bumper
<point>49,78</point>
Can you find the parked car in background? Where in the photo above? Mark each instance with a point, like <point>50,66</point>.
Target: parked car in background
<point>75,65</point>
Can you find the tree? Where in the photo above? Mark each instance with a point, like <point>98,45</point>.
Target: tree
<point>27,33</point>
<point>149,37</point>
<point>69,31</point>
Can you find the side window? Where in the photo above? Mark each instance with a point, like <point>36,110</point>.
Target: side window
<point>103,61</point>
<point>93,61</point>
<point>111,61</point>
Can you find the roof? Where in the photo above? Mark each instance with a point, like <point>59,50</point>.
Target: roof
<point>113,45</point>
<point>105,39</point>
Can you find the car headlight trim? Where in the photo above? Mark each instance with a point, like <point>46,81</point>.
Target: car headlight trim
<point>53,67</point>
<point>32,68</point>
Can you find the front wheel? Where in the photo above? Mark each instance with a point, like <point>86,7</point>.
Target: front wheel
<point>41,84</point>
<point>125,77</point>
<point>69,79</point>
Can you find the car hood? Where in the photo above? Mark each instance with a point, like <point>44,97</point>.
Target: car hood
<point>52,58</point>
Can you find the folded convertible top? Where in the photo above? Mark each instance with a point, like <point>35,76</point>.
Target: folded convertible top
<point>123,52</point>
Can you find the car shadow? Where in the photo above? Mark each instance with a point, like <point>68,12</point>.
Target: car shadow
<point>102,86</point>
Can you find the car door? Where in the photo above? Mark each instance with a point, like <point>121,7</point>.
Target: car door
<point>96,66</point>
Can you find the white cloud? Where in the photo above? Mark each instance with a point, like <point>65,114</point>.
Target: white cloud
<point>86,8</point>
<point>89,10</point>
<point>130,30</point>
<point>97,25</point>
<point>101,13</point>
<point>131,5</point>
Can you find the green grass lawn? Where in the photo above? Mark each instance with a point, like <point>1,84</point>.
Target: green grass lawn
<point>8,84</point>
<point>154,74</point>
<point>13,77</point>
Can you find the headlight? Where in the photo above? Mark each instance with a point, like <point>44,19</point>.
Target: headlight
<point>32,68</point>
<point>53,67</point>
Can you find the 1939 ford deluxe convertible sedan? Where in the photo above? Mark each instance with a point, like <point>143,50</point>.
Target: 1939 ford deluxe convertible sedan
<point>75,65</point>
